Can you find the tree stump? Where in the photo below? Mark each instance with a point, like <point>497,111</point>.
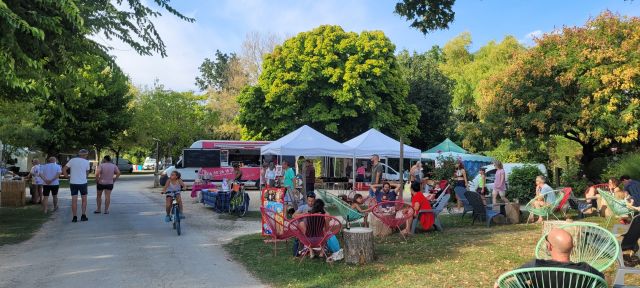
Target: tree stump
<point>358,244</point>
<point>13,193</point>
<point>379,229</point>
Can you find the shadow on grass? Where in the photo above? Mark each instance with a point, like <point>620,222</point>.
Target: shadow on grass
<point>19,224</point>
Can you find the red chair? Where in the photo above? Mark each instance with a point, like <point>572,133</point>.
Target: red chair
<point>393,214</point>
<point>314,230</point>
<point>279,227</point>
<point>565,197</point>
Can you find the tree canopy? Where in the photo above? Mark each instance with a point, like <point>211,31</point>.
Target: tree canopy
<point>427,15</point>
<point>341,83</point>
<point>581,83</point>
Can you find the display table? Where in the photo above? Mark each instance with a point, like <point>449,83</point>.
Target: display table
<point>197,187</point>
<point>358,245</point>
<point>13,193</point>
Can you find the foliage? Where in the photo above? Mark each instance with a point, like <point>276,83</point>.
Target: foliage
<point>427,15</point>
<point>254,47</point>
<point>443,168</point>
<point>340,83</point>
<point>629,164</point>
<point>176,119</point>
<point>429,90</point>
<point>470,72</point>
<point>571,177</point>
<point>216,74</point>
<point>581,84</point>
<point>19,124</point>
<point>522,183</point>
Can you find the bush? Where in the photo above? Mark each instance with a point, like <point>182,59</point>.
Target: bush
<point>522,182</point>
<point>445,168</point>
<point>572,178</point>
<point>629,164</point>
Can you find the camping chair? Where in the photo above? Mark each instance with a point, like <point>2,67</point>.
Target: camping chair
<point>326,196</point>
<point>345,211</point>
<point>578,205</point>
<point>629,242</point>
<point>591,244</point>
<point>550,277</point>
<point>460,192</point>
<point>313,231</point>
<point>389,213</point>
<point>279,227</point>
<point>545,210</point>
<point>566,194</point>
<point>618,207</point>
<point>438,206</point>
<point>480,212</point>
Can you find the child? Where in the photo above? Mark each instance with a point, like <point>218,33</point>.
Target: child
<point>172,188</point>
<point>358,202</point>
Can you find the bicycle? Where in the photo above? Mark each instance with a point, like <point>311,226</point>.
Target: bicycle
<point>238,204</point>
<point>175,212</point>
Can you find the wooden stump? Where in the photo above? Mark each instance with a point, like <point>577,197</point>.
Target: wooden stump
<point>13,193</point>
<point>513,212</point>
<point>358,244</point>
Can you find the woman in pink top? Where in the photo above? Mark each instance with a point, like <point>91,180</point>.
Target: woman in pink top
<point>106,174</point>
<point>500,184</point>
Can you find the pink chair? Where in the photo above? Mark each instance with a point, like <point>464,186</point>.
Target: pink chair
<point>314,230</point>
<point>393,213</point>
<point>279,228</point>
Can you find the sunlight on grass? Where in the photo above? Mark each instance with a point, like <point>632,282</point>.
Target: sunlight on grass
<point>19,224</point>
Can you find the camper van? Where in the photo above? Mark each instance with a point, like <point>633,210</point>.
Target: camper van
<point>216,159</point>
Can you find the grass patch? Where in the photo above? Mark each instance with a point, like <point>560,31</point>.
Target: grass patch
<point>249,216</point>
<point>461,256</point>
<point>19,224</point>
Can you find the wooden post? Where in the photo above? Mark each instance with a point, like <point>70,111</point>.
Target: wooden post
<point>401,167</point>
<point>358,245</point>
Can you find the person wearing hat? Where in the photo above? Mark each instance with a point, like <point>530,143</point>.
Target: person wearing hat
<point>79,167</point>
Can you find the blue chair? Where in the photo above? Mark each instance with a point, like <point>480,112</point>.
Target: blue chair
<point>480,212</point>
<point>460,192</point>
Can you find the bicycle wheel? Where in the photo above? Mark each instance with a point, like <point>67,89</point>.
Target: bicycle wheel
<point>233,203</point>
<point>173,212</point>
<point>241,207</point>
<point>177,220</point>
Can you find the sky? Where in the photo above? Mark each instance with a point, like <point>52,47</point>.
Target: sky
<point>223,25</point>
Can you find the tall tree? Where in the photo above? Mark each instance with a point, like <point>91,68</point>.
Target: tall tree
<point>341,83</point>
<point>254,47</point>
<point>427,15</point>
<point>582,83</point>
<point>430,90</point>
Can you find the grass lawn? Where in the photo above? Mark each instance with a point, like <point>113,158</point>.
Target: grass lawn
<point>19,224</point>
<point>461,256</point>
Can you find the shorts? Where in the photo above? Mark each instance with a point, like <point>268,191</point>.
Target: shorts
<point>501,193</point>
<point>50,189</point>
<point>81,188</point>
<point>172,194</point>
<point>104,187</point>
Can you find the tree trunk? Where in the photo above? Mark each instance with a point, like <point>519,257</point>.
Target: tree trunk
<point>358,244</point>
<point>588,154</point>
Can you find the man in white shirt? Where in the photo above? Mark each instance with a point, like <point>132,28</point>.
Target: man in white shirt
<point>34,174</point>
<point>78,183</point>
<point>50,174</point>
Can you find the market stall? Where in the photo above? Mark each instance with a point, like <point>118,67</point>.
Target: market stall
<point>472,162</point>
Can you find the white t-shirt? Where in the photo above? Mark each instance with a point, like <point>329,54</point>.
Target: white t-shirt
<point>79,167</point>
<point>50,170</point>
<point>35,173</point>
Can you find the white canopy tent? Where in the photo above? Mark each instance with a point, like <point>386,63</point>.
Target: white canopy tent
<point>307,142</point>
<point>374,142</point>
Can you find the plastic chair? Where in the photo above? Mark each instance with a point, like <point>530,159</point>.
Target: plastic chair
<point>565,198</point>
<point>545,210</point>
<point>550,277</point>
<point>480,212</point>
<point>460,192</point>
<point>629,242</point>
<point>279,227</point>
<point>345,211</point>
<point>325,196</point>
<point>393,214</point>
<point>314,230</point>
<point>440,204</point>
<point>592,244</point>
<point>618,207</point>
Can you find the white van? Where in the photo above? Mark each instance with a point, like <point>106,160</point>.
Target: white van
<point>490,171</point>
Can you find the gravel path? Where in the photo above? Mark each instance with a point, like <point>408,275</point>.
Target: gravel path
<point>130,247</point>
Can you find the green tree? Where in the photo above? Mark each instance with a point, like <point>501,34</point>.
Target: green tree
<point>427,15</point>
<point>430,91</point>
<point>470,71</point>
<point>341,83</point>
<point>581,83</point>
<point>217,74</point>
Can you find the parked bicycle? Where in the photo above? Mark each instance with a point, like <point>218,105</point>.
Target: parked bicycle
<point>238,203</point>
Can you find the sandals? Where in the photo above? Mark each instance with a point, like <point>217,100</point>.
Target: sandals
<point>106,212</point>
<point>96,212</point>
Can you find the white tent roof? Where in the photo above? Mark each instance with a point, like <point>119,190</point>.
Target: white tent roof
<point>374,142</point>
<point>305,141</point>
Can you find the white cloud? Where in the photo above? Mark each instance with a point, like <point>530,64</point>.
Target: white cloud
<point>529,38</point>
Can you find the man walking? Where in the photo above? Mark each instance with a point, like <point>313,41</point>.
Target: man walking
<point>78,183</point>
<point>50,174</point>
<point>309,177</point>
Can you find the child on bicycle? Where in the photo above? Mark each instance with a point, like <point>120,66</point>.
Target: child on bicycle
<point>172,188</point>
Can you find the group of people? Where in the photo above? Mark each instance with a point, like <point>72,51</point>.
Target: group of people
<point>46,181</point>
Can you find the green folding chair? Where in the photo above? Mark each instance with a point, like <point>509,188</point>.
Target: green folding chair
<point>326,196</point>
<point>618,207</point>
<point>344,210</point>
<point>548,277</point>
<point>546,210</point>
<point>592,244</point>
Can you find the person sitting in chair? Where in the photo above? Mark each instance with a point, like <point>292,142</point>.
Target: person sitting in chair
<point>544,196</point>
<point>419,202</point>
<point>560,244</point>
<point>357,204</point>
<point>383,192</point>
